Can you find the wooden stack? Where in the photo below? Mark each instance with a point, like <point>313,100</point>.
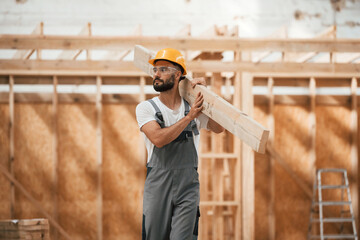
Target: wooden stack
<point>24,229</point>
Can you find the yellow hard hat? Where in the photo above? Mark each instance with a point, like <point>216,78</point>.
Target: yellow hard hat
<point>171,55</point>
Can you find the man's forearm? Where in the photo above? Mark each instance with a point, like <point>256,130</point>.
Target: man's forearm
<point>164,136</point>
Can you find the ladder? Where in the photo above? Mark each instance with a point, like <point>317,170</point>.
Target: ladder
<point>320,208</point>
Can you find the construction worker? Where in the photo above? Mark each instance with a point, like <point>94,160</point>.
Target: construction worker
<point>171,131</point>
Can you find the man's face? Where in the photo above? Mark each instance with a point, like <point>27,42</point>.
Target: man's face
<point>164,76</point>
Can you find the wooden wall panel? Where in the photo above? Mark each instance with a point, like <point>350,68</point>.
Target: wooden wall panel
<point>4,160</point>
<point>292,205</point>
<point>123,173</point>
<point>33,153</point>
<point>77,170</point>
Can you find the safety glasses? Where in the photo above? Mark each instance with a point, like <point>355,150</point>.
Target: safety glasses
<point>163,70</point>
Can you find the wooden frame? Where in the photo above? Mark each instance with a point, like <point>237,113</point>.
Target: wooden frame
<point>259,73</point>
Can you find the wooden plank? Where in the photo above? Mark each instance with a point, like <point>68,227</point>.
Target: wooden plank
<point>36,203</point>
<point>11,143</point>
<point>312,127</point>
<point>247,166</point>
<point>231,118</point>
<point>55,152</point>
<point>237,151</point>
<point>73,54</point>
<point>26,54</point>
<point>271,126</point>
<point>99,215</point>
<point>354,152</point>
<point>73,67</point>
<point>8,41</point>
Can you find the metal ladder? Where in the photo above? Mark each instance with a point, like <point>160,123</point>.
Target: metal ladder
<point>320,203</point>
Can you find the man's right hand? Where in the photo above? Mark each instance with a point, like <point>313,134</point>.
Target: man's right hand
<point>196,107</point>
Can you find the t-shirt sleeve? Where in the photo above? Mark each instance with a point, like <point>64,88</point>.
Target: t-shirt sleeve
<point>202,121</point>
<point>144,113</point>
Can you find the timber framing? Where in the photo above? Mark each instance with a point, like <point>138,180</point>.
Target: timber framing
<point>298,67</point>
<point>126,68</point>
<point>182,43</point>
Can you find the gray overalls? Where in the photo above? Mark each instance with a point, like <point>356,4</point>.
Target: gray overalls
<point>171,193</point>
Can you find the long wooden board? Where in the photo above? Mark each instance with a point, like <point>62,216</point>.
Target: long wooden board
<point>218,109</point>
<point>65,42</point>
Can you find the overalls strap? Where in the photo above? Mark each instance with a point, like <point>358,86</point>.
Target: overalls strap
<point>158,115</point>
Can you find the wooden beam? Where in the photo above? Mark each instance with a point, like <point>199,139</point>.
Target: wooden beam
<point>99,215</point>
<point>247,165</point>
<point>86,68</point>
<point>237,152</point>
<point>11,143</point>
<point>312,127</point>
<point>354,152</point>
<point>8,41</point>
<point>271,126</point>
<point>231,118</point>
<point>36,203</point>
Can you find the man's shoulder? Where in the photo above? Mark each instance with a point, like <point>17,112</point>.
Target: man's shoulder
<point>146,104</point>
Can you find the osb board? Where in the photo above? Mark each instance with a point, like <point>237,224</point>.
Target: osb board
<point>123,173</point>
<point>4,160</point>
<point>77,170</point>
<point>262,180</point>
<point>292,142</point>
<point>33,166</point>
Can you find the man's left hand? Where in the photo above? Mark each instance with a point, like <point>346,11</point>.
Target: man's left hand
<point>198,81</point>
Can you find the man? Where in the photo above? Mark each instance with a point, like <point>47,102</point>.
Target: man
<point>171,130</point>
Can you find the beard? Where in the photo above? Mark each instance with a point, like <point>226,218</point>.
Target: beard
<point>165,86</point>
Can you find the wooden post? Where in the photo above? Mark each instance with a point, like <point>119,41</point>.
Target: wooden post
<point>248,171</point>
<point>55,151</point>
<point>271,126</point>
<point>217,168</point>
<point>312,127</point>
<point>99,156</point>
<point>38,51</point>
<point>354,152</point>
<point>11,143</point>
<point>237,151</point>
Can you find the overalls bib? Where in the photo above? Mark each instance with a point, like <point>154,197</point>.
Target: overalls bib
<point>171,192</point>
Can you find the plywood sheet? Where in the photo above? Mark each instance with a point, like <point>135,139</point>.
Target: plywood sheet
<point>4,159</point>
<point>33,166</point>
<point>77,170</point>
<point>123,173</point>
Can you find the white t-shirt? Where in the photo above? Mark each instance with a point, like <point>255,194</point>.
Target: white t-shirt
<point>145,113</point>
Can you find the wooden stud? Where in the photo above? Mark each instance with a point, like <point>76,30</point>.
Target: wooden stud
<point>312,127</point>
<point>55,151</point>
<point>248,168</point>
<point>354,151</point>
<point>11,143</point>
<point>237,152</point>
<point>271,126</point>
<point>99,157</point>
